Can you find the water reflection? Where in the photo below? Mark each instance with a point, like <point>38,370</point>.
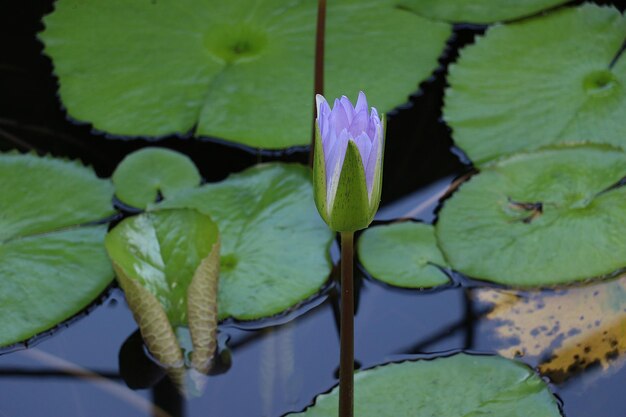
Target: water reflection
<point>281,368</point>
<point>562,332</point>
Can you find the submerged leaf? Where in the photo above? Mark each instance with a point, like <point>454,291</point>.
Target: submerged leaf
<point>565,331</point>
<point>543,218</point>
<point>274,244</point>
<point>167,262</point>
<point>52,263</point>
<point>240,70</point>
<point>459,385</point>
<point>539,82</point>
<point>403,254</point>
<point>144,173</point>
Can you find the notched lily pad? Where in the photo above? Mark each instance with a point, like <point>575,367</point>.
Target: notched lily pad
<point>543,218</point>
<point>459,385</point>
<point>143,174</point>
<point>52,259</point>
<point>274,244</point>
<point>478,11</point>
<point>241,71</point>
<point>167,262</point>
<point>540,82</point>
<point>403,254</point>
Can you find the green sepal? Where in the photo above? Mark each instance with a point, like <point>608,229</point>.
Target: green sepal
<point>319,176</point>
<point>378,171</point>
<point>351,208</point>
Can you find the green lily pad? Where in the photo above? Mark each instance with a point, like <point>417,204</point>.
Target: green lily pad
<point>543,81</point>
<point>241,71</point>
<point>274,244</point>
<point>403,254</point>
<point>542,218</point>
<point>167,262</point>
<point>144,173</point>
<point>52,263</point>
<point>478,11</point>
<point>454,386</point>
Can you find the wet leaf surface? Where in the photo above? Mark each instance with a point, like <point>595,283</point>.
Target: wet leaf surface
<point>402,254</point>
<point>52,263</point>
<point>540,82</point>
<point>537,219</point>
<point>274,245</point>
<point>144,174</point>
<point>240,71</point>
<point>459,385</point>
<point>478,11</point>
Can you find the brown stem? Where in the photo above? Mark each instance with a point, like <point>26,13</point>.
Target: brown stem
<point>319,67</point>
<point>346,354</point>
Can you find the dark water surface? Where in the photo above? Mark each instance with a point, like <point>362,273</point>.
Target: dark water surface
<point>83,368</point>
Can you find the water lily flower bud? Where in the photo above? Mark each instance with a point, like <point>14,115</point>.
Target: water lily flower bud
<point>348,162</point>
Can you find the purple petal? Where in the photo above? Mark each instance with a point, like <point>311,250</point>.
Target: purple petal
<point>323,116</point>
<point>339,118</point>
<point>329,152</point>
<point>359,124</point>
<point>364,144</point>
<point>333,167</point>
<point>348,108</point>
<point>319,101</point>
<point>338,126</point>
<point>373,128</point>
<point>361,103</point>
<point>328,147</point>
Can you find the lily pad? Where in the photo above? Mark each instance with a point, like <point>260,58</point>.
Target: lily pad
<point>167,262</point>
<point>543,218</point>
<point>403,254</point>
<point>540,82</point>
<point>52,258</point>
<point>274,250</point>
<point>479,11</point>
<point>143,174</point>
<point>455,386</point>
<point>241,71</point>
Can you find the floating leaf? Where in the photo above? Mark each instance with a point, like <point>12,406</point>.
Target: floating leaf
<point>167,262</point>
<point>274,244</point>
<point>567,331</point>
<point>542,218</point>
<point>143,174</point>
<point>459,385</point>
<point>242,71</point>
<point>478,11</point>
<point>52,264</point>
<point>403,254</point>
<point>539,82</point>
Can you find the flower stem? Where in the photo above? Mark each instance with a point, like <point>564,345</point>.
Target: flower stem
<point>346,361</point>
<point>319,67</point>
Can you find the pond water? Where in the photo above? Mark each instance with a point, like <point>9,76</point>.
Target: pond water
<point>277,366</point>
